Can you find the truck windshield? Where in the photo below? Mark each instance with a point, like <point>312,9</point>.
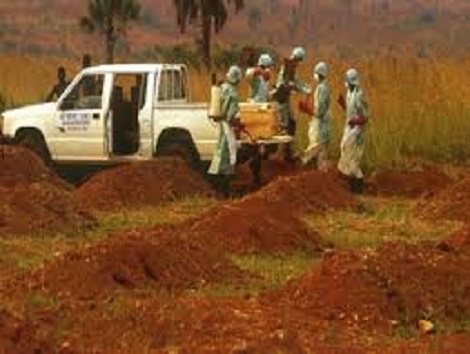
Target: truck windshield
<point>86,94</point>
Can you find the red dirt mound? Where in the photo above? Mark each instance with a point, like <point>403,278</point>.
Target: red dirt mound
<point>171,262</point>
<point>412,184</point>
<point>271,169</point>
<point>442,344</point>
<point>18,165</point>
<point>452,203</point>
<point>40,206</point>
<point>270,219</point>
<point>15,337</point>
<point>342,289</point>
<point>396,282</point>
<point>425,281</point>
<point>306,192</point>
<point>214,325</point>
<point>252,227</point>
<point>456,242</point>
<point>142,183</point>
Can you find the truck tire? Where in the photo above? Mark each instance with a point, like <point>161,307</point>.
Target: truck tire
<point>34,141</point>
<point>184,150</point>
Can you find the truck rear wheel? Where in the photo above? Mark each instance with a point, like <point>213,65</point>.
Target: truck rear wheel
<point>35,142</point>
<point>184,151</point>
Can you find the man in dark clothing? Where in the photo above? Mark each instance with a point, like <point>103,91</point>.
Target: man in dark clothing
<point>60,87</point>
<point>89,84</point>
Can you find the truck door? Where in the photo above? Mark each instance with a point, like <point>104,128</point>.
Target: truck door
<point>130,116</point>
<point>80,120</point>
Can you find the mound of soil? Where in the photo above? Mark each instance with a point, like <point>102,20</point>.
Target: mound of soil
<point>414,184</point>
<point>342,289</point>
<point>270,219</point>
<point>16,337</point>
<point>171,262</point>
<point>306,192</point>
<point>142,183</point>
<point>253,227</point>
<point>19,165</point>
<point>425,281</point>
<point>223,325</point>
<point>397,282</point>
<point>452,203</point>
<point>456,242</point>
<point>40,207</point>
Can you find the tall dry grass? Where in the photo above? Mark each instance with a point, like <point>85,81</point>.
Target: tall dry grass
<point>420,107</point>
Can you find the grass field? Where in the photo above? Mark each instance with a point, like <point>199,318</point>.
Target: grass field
<point>420,107</point>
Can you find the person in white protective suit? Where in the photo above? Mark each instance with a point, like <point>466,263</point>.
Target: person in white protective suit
<point>352,143</point>
<point>225,155</point>
<point>319,126</point>
<point>258,78</point>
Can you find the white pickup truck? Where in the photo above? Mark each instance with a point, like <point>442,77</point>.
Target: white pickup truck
<point>118,113</point>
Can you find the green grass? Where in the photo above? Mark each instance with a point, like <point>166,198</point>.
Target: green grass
<point>25,252</point>
<point>269,273</point>
<point>381,221</point>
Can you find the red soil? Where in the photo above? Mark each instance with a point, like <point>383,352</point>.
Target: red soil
<point>33,197</point>
<point>452,203</point>
<point>342,289</point>
<point>16,337</point>
<point>142,183</point>
<point>18,165</point>
<point>270,219</point>
<point>414,184</point>
<point>168,262</point>
<point>397,282</point>
<point>40,207</point>
<point>452,344</point>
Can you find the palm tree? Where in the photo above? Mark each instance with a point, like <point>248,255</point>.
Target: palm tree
<point>213,15</point>
<point>254,17</point>
<point>111,19</point>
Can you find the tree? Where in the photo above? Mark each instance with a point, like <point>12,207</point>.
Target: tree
<point>293,22</point>
<point>111,19</point>
<point>349,8</point>
<point>254,17</point>
<point>213,15</point>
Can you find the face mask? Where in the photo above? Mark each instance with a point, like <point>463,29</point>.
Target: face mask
<point>316,77</point>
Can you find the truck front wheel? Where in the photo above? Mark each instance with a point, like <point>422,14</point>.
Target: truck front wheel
<point>35,142</point>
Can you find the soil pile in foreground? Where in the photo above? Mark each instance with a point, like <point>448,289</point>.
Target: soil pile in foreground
<point>40,207</point>
<point>34,198</point>
<point>170,262</point>
<point>19,165</point>
<point>16,337</point>
<point>452,203</point>
<point>271,170</point>
<point>397,282</point>
<point>142,183</point>
<point>413,184</point>
<point>270,219</point>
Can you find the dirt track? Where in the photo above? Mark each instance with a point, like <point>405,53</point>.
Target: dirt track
<point>144,289</point>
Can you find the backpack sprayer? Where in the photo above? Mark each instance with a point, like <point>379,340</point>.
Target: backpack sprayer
<point>215,109</point>
<point>215,105</point>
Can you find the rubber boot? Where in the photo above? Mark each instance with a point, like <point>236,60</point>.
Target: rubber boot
<point>226,186</point>
<point>359,185</point>
<point>352,184</point>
